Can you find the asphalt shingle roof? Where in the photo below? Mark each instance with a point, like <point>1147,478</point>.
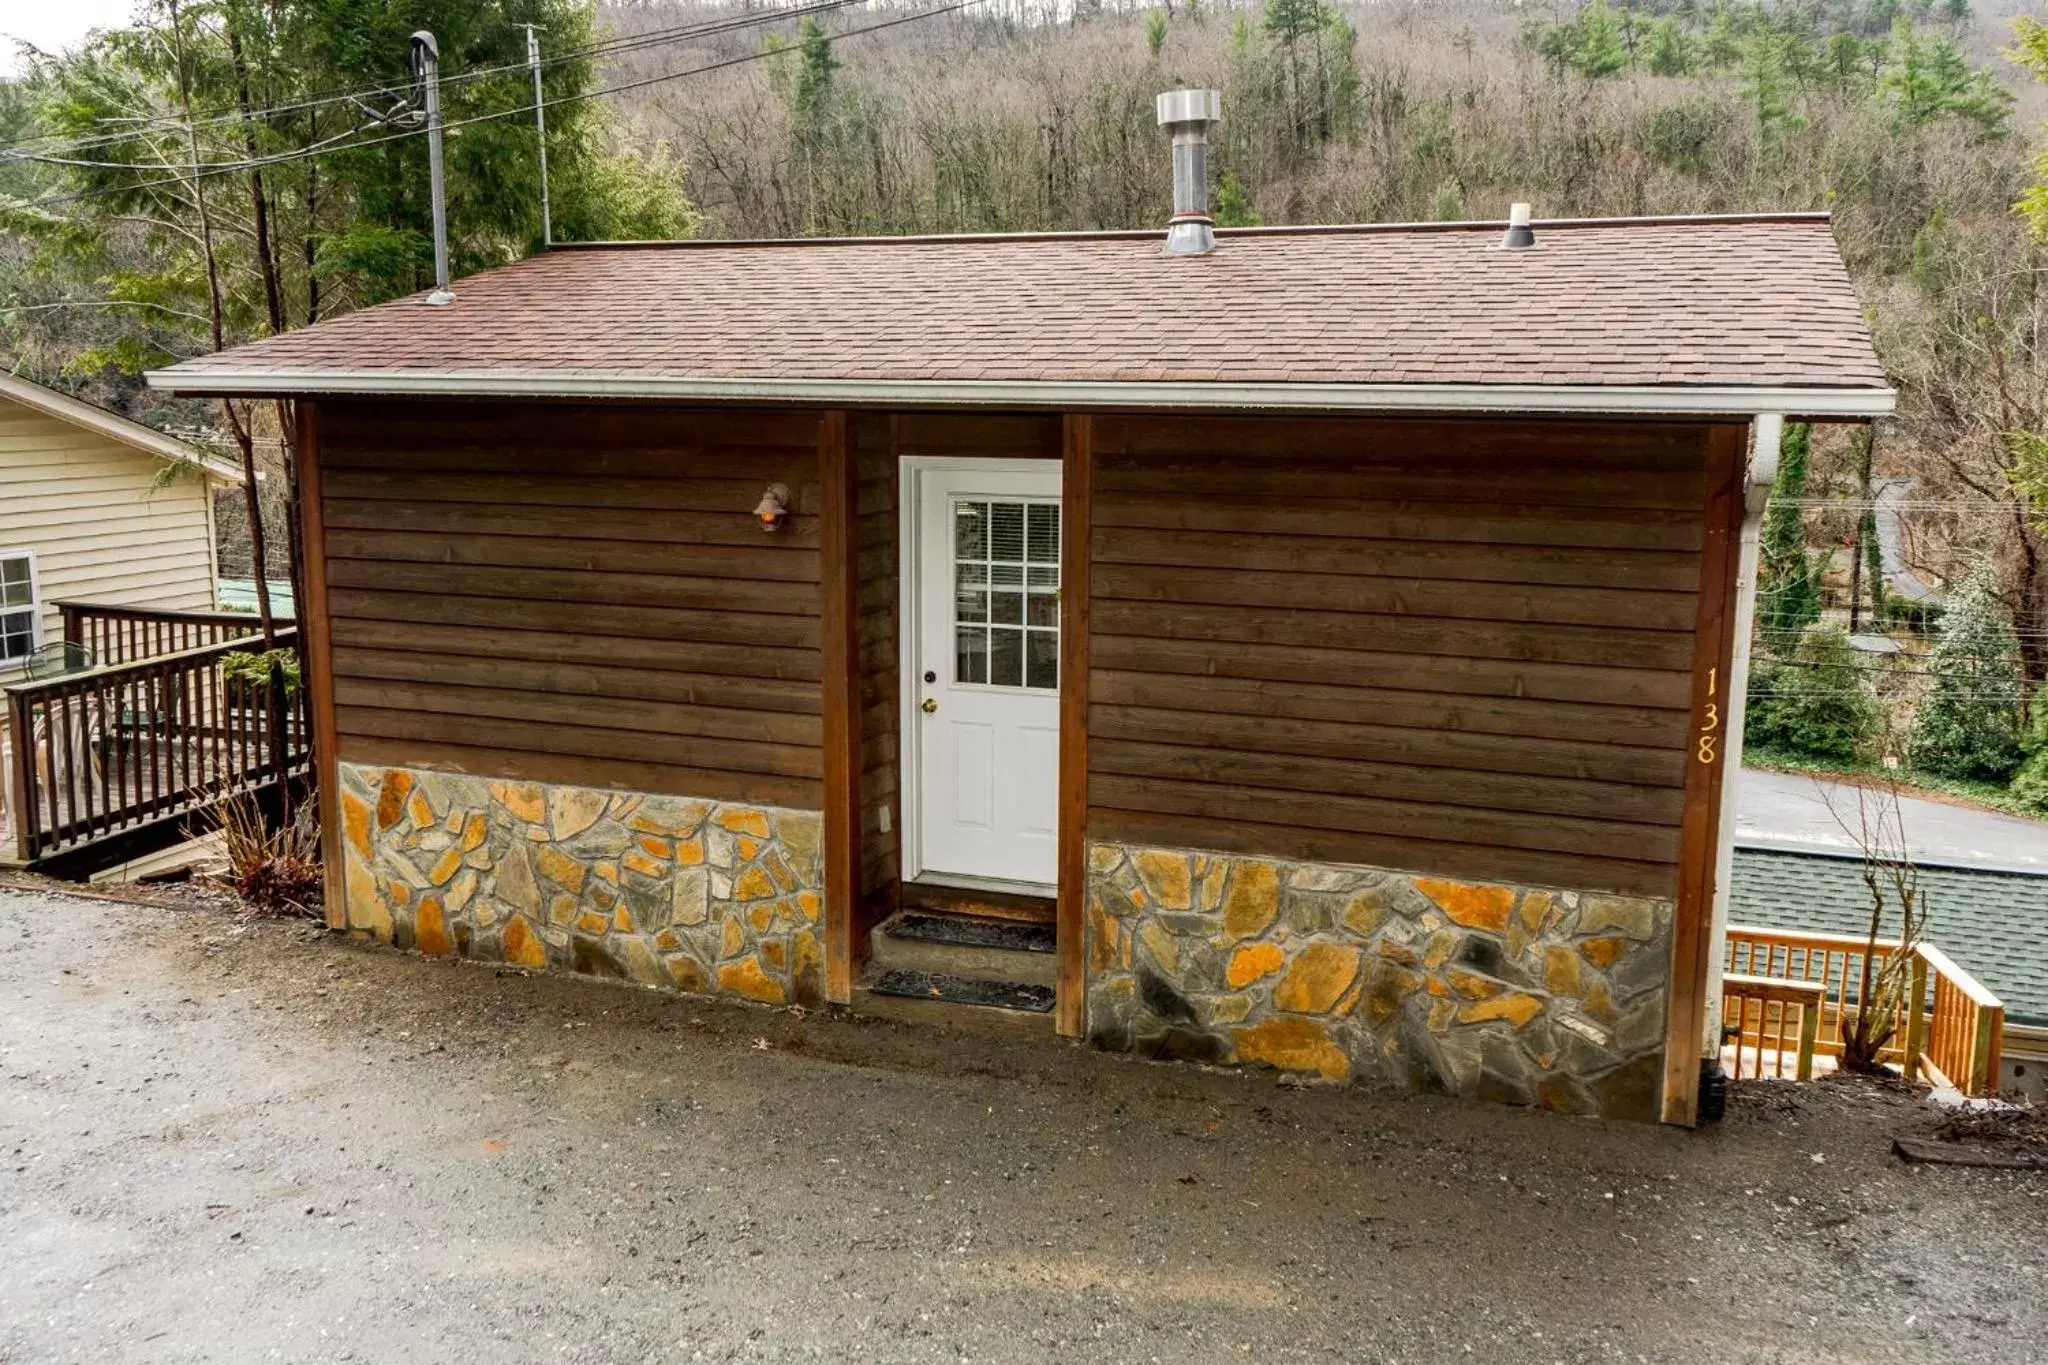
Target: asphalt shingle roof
<point>1749,302</point>
<point>1994,924</point>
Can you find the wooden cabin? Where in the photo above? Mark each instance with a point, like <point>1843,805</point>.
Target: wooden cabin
<point>1325,651</point>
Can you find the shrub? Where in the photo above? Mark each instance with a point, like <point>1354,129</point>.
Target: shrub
<point>1819,702</point>
<point>1968,725</point>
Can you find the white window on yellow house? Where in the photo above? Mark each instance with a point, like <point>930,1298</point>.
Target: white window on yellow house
<point>18,609</point>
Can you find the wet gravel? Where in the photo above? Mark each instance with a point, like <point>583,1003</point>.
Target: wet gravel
<point>233,1142</point>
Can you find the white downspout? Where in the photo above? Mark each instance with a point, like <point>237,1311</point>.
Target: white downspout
<point>1767,431</point>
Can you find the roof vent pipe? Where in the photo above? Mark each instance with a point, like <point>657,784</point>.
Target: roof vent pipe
<point>1187,114</point>
<point>426,67</point>
<point>1520,236</point>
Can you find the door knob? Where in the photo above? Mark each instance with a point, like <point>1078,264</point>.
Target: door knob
<point>929,705</point>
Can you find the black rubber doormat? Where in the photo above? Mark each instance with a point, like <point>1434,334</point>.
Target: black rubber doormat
<point>972,933</point>
<point>965,990</point>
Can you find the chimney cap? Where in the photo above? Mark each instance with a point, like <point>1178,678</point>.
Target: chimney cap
<point>1189,106</point>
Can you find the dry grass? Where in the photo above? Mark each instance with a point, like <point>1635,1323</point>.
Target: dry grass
<point>277,871</point>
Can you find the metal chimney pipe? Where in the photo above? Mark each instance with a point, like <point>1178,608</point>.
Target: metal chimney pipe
<point>1187,114</point>
<point>426,56</point>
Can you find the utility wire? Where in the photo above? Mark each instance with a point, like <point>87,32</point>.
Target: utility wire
<point>607,47</point>
<point>521,111</point>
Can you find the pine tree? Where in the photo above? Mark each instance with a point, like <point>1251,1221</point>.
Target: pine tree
<point>1968,726</point>
<point>1601,51</point>
<point>1670,52</point>
<point>1155,31</point>
<point>1788,599</point>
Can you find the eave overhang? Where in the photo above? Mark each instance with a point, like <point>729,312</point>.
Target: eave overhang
<point>1603,400</point>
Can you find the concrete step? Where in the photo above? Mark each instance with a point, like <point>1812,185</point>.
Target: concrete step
<point>976,949</point>
<point>932,998</point>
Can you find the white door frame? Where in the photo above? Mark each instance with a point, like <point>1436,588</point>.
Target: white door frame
<point>909,569</point>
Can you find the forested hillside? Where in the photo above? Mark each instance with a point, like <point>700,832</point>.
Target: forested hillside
<point>1917,125</point>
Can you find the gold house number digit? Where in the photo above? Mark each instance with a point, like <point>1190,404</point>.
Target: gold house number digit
<point>1712,723</point>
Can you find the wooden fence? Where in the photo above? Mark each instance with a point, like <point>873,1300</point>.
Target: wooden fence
<point>1951,1033</point>
<point>117,756</point>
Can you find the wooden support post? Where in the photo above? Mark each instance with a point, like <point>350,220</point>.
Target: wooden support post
<point>21,769</point>
<point>316,667</point>
<point>1077,481</point>
<point>1685,1017</point>
<point>839,579</point>
<point>1916,1019</point>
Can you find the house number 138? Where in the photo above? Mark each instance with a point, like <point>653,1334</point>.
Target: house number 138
<point>1711,725</point>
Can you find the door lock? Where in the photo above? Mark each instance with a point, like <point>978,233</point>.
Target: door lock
<point>929,705</point>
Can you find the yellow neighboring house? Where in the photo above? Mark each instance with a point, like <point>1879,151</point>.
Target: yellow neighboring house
<point>86,515</point>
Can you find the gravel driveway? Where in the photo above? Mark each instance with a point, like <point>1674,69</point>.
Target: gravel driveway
<point>226,1143</point>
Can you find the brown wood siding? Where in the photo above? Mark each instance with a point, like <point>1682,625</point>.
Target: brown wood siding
<point>576,594</point>
<point>1461,648</point>
<point>881,729</point>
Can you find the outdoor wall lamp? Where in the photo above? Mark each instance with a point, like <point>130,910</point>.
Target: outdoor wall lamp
<point>774,506</point>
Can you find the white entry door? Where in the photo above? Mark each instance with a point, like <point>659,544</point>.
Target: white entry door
<point>985,670</point>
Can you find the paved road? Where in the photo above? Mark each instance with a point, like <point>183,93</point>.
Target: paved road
<point>229,1145</point>
<point>1788,810</point>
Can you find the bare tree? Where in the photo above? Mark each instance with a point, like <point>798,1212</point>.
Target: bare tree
<point>1892,879</point>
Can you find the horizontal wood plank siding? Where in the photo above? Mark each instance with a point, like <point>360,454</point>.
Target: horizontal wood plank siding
<point>576,594</point>
<point>1461,648</point>
<point>880,784</point>
<point>105,524</point>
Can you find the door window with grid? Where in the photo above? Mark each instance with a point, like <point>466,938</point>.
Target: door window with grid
<point>17,607</point>
<point>1006,593</point>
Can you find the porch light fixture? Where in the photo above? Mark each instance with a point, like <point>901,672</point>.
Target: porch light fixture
<point>774,506</point>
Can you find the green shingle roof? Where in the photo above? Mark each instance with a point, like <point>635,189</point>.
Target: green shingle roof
<point>1993,923</point>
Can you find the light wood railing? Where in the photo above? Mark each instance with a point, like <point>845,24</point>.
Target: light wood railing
<point>1769,1013</point>
<point>1950,1029</point>
<point>1965,1032</point>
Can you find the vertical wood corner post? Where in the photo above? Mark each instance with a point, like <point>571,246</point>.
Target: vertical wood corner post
<point>839,620</point>
<point>316,664</point>
<point>1077,521</point>
<point>1720,655</point>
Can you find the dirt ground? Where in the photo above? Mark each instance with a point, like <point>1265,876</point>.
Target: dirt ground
<point>232,1143</point>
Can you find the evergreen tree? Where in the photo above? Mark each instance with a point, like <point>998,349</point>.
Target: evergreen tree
<point>1670,50</point>
<point>1788,598</point>
<point>1234,203</point>
<point>1927,77</point>
<point>1819,703</point>
<point>1155,31</point>
<point>1968,724</point>
<point>2030,783</point>
<point>1601,51</point>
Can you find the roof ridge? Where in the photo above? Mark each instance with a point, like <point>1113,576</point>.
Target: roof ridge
<point>1150,234</point>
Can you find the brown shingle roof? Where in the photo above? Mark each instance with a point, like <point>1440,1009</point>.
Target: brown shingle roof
<point>1762,302</point>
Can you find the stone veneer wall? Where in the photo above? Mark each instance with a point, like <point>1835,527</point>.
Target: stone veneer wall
<point>1527,995</point>
<point>663,890</point>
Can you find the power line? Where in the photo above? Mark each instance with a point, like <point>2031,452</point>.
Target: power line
<point>606,47</point>
<point>322,149</point>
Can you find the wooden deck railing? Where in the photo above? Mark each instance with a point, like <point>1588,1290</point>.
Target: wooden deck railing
<point>1965,1031</point>
<point>1953,1031</point>
<point>1770,1012</point>
<point>126,635</point>
<point>130,746</point>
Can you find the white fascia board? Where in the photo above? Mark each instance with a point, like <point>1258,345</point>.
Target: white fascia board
<point>1616,399</point>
